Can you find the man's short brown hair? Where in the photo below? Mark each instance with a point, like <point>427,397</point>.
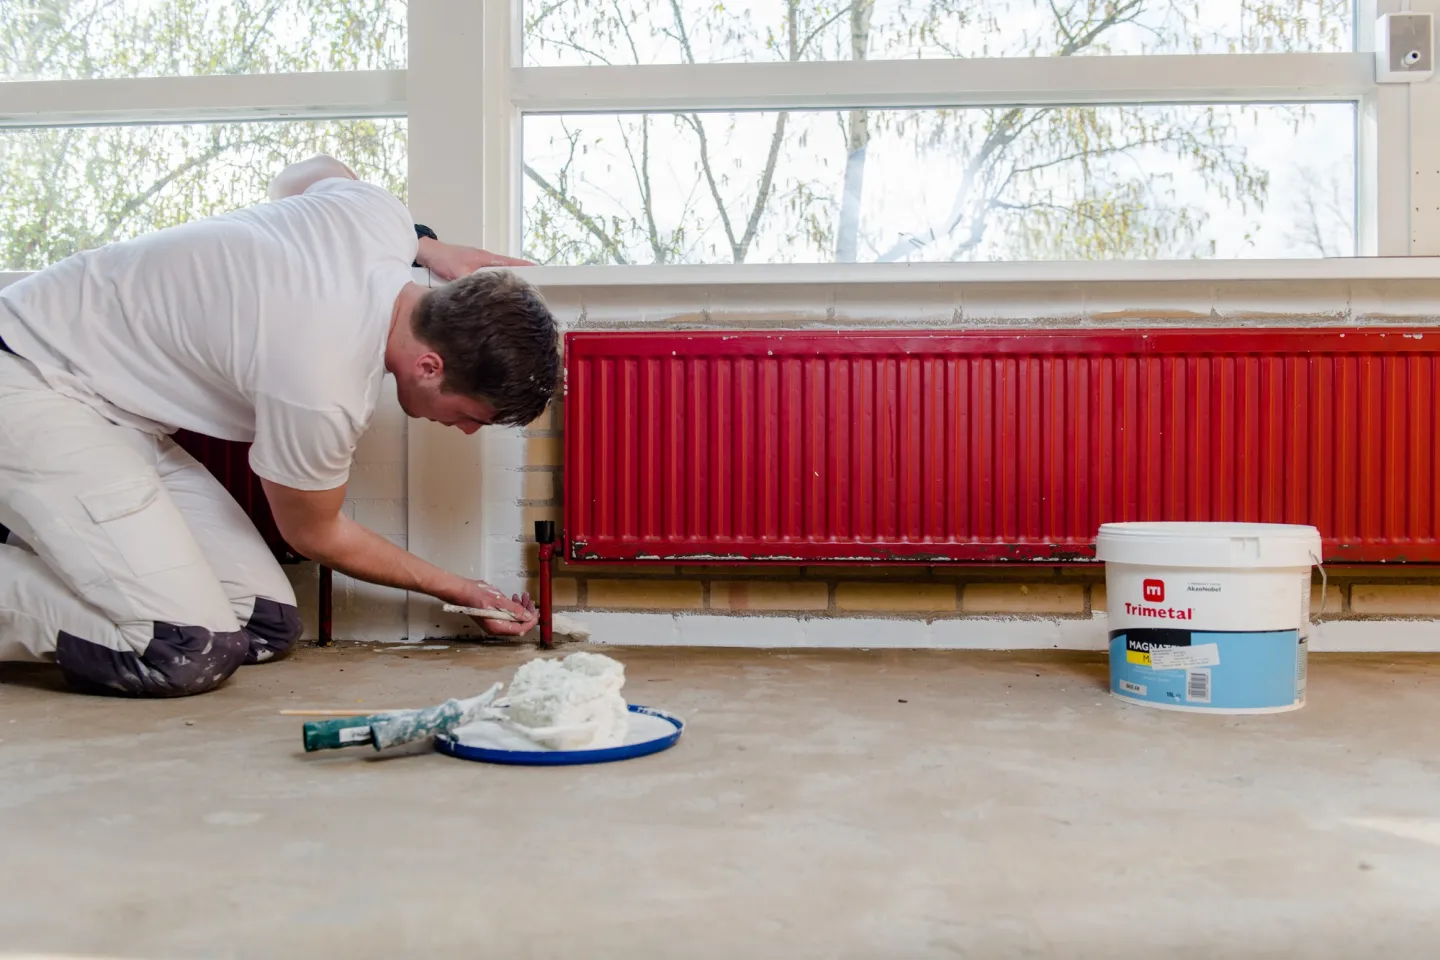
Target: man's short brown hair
<point>498,341</point>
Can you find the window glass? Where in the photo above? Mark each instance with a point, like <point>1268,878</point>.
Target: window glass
<point>65,189</point>
<point>1022,183</point>
<point>86,39</point>
<point>570,32</point>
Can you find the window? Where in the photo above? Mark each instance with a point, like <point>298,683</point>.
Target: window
<point>791,131</point>
<point>102,39</point>
<point>1066,183</point>
<point>72,188</point>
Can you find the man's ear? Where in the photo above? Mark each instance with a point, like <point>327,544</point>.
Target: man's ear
<point>429,366</point>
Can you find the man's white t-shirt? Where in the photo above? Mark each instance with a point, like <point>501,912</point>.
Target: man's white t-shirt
<point>266,325</point>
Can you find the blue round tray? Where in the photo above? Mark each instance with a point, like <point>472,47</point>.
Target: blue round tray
<point>448,745</point>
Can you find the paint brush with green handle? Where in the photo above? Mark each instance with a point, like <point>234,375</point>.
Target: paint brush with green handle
<point>382,730</point>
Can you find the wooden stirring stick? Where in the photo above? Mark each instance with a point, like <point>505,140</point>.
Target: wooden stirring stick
<point>338,713</point>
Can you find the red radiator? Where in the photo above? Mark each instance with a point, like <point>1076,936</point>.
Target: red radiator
<point>984,446</point>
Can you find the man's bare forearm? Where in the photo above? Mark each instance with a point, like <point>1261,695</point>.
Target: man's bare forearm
<point>361,553</point>
<point>311,521</point>
<point>450,261</point>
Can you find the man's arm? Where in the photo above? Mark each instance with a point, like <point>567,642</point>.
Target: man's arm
<point>298,177</point>
<point>449,261</point>
<point>311,522</point>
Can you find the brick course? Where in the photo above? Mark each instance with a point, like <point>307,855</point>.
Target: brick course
<point>895,597</point>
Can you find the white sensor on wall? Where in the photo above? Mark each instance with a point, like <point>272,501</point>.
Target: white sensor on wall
<point>1404,48</point>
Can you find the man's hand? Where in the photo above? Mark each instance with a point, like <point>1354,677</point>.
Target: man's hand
<point>449,261</point>
<point>487,597</point>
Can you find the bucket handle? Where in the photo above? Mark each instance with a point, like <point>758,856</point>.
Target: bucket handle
<point>1324,590</point>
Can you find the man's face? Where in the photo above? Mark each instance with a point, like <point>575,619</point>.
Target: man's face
<point>420,396</point>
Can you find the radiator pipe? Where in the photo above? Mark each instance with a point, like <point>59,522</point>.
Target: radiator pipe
<point>545,537</point>
<point>326,605</point>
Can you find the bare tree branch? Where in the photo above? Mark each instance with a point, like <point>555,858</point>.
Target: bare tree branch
<point>83,29</point>
<point>641,171</point>
<point>804,44</point>
<point>261,28</point>
<point>115,221</point>
<point>1122,13</point>
<point>579,49</point>
<point>620,18</point>
<point>581,217</point>
<point>1060,23</point>
<point>1092,153</point>
<point>709,173</point>
<point>544,12</point>
<point>681,34</point>
<point>762,196</point>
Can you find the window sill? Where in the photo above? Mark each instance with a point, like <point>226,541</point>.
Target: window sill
<point>1340,270</point>
<point>1347,269</point>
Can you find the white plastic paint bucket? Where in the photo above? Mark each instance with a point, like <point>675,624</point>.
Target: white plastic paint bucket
<point>1209,617</point>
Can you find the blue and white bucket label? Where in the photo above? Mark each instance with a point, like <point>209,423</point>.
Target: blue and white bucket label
<point>1226,641</point>
<point>1217,671</point>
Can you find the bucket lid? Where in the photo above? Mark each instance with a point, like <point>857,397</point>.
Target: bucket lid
<point>1209,544</point>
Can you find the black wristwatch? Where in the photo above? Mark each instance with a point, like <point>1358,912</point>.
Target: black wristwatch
<point>422,231</point>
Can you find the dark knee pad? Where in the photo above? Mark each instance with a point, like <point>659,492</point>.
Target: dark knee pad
<point>179,662</point>
<point>272,630</point>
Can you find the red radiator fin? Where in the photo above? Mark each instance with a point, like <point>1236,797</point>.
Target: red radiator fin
<point>827,446</point>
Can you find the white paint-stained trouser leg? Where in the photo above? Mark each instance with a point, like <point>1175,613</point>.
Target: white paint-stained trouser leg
<point>117,591</point>
<point>260,594</point>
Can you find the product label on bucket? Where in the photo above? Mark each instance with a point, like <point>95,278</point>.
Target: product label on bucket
<point>1219,671</point>
<point>1178,658</point>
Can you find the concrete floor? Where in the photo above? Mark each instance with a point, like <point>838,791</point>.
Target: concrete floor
<point>821,804</point>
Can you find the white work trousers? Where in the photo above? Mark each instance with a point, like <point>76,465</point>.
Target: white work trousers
<point>127,563</point>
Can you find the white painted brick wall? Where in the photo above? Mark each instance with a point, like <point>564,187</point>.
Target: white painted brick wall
<point>505,532</point>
